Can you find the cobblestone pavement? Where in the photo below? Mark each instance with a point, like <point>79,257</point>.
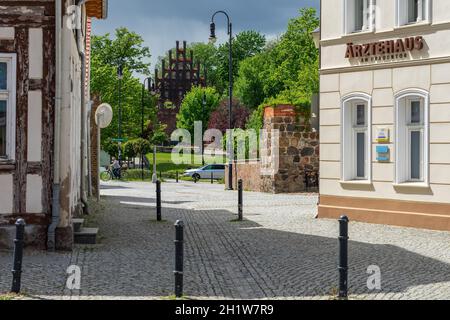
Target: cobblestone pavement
<point>280,252</point>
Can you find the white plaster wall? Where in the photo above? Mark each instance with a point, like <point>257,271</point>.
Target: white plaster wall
<point>6,193</point>
<point>7,33</point>
<point>34,194</point>
<point>34,126</point>
<point>332,14</point>
<point>36,53</point>
<point>70,128</point>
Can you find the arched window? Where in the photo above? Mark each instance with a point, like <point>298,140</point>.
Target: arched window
<point>411,139</point>
<point>356,137</point>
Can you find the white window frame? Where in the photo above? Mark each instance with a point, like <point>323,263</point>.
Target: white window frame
<point>403,129</point>
<point>401,7</point>
<point>349,131</point>
<point>350,20</point>
<point>10,96</point>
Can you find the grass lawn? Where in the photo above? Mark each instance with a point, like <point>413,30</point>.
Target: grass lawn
<point>164,163</point>
<point>167,168</point>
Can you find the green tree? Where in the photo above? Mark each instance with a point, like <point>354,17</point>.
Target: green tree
<point>205,54</point>
<point>111,147</point>
<point>127,48</point>
<point>294,55</point>
<point>129,150</point>
<point>286,72</point>
<point>192,108</point>
<point>246,44</point>
<point>136,147</point>
<point>250,82</point>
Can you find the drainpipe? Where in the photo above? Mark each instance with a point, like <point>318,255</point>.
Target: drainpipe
<point>51,238</point>
<point>82,55</point>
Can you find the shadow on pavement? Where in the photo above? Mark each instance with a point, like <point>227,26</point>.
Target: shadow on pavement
<point>237,260</point>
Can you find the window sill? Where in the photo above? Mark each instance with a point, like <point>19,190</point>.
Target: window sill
<point>413,25</point>
<point>412,185</point>
<point>7,165</point>
<point>356,34</point>
<point>6,162</point>
<point>356,183</point>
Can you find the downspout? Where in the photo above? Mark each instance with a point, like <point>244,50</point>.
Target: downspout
<point>51,235</point>
<point>82,55</point>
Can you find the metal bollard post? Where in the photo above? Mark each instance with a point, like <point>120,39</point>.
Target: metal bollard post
<point>343,257</point>
<point>212,177</point>
<point>240,199</point>
<point>177,178</point>
<point>18,255</point>
<point>158,200</point>
<point>179,257</point>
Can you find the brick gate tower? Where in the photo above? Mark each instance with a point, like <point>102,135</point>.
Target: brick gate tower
<point>178,75</point>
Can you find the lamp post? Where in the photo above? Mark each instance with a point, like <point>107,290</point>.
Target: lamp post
<point>203,114</point>
<point>120,77</point>
<point>212,39</point>
<point>150,88</point>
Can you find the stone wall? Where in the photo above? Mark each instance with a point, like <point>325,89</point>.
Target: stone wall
<point>298,153</point>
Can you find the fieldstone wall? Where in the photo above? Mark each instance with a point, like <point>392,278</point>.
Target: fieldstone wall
<point>298,153</point>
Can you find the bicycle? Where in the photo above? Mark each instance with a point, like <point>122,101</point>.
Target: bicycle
<point>108,175</point>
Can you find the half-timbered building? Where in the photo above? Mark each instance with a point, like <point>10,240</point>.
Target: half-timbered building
<point>44,103</point>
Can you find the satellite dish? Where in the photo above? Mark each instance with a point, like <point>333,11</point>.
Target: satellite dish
<point>103,115</point>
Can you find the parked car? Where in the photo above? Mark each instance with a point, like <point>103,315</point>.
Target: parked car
<point>217,171</point>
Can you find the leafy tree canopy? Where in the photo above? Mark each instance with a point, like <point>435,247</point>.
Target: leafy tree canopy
<point>127,49</point>
<point>245,45</point>
<point>286,71</point>
<point>194,109</point>
<point>106,54</point>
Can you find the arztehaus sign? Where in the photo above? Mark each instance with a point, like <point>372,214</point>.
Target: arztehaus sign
<point>384,50</point>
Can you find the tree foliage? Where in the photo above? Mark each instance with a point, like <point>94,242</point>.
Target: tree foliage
<point>192,108</point>
<point>220,117</point>
<point>136,147</point>
<point>286,71</point>
<point>245,45</point>
<point>127,48</point>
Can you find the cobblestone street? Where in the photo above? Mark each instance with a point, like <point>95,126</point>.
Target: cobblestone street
<point>280,251</point>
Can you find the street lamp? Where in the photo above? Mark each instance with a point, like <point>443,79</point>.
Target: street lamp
<point>120,77</point>
<point>316,37</point>
<point>203,115</point>
<point>212,39</point>
<point>151,90</point>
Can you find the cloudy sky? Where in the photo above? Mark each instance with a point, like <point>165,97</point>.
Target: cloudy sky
<point>162,22</point>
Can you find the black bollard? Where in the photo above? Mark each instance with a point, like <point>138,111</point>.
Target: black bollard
<point>240,199</point>
<point>158,200</point>
<point>179,257</point>
<point>343,257</point>
<point>177,177</point>
<point>212,177</point>
<point>18,255</point>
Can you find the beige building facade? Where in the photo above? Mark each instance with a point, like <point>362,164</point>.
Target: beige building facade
<point>385,111</point>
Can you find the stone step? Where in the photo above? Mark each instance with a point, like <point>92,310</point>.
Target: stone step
<point>77,224</point>
<point>86,236</point>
